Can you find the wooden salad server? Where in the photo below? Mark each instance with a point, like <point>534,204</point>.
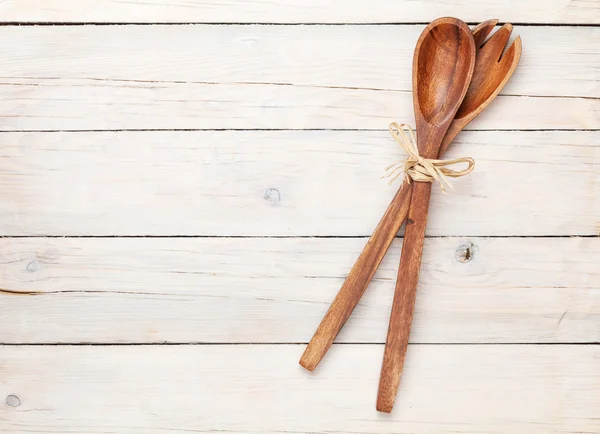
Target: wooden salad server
<point>492,71</point>
<point>367,263</point>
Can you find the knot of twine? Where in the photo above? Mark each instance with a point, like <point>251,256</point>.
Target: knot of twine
<point>419,169</point>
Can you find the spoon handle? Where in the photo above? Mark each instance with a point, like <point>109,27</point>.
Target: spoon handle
<point>358,279</point>
<point>404,297</point>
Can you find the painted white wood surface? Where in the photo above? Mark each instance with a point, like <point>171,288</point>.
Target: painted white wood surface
<point>518,389</point>
<point>536,188</point>
<point>154,290</point>
<point>265,183</point>
<point>281,77</point>
<point>297,11</point>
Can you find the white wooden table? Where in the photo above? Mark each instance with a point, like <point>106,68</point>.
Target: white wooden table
<point>182,196</point>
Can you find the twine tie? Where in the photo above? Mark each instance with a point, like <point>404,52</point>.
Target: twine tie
<point>419,169</point>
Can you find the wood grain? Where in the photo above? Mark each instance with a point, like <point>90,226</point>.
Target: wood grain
<point>196,183</point>
<point>144,390</point>
<point>153,290</point>
<point>296,11</point>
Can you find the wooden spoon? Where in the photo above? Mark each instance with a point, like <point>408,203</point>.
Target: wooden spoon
<point>491,74</point>
<point>367,263</point>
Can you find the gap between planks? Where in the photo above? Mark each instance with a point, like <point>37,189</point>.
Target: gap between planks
<point>234,344</point>
<point>175,130</point>
<point>258,237</point>
<point>257,23</point>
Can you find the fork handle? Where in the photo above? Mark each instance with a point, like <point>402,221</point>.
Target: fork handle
<point>358,279</point>
<point>404,297</point>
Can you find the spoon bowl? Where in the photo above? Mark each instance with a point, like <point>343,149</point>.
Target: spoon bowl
<point>441,66</point>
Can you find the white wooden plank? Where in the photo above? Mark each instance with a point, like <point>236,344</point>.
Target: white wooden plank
<point>154,290</point>
<point>143,77</point>
<point>84,105</point>
<point>362,57</point>
<point>297,11</point>
<point>291,183</point>
<point>261,389</point>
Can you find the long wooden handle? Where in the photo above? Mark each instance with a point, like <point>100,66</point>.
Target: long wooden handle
<point>358,279</point>
<point>404,298</point>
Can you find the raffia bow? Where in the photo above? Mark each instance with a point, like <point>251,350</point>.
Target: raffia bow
<point>419,169</point>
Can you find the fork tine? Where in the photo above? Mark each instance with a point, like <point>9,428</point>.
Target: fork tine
<point>513,50</point>
<point>482,31</point>
<point>495,45</point>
